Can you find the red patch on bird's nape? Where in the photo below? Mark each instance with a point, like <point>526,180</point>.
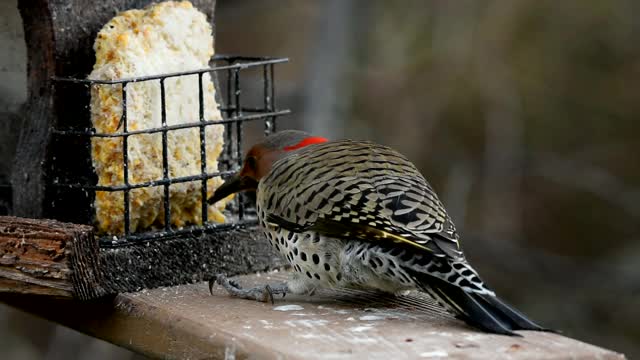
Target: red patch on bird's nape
<point>306,142</point>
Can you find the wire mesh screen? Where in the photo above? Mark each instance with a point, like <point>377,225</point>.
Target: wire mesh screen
<point>75,185</point>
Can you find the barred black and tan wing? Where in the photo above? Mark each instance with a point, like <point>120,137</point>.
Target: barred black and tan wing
<point>358,190</point>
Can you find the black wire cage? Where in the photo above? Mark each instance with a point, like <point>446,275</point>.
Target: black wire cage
<point>73,183</point>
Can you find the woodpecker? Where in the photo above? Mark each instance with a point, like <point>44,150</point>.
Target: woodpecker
<point>355,214</point>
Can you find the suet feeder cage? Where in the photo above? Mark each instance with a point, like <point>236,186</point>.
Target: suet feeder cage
<point>55,173</point>
<point>73,183</point>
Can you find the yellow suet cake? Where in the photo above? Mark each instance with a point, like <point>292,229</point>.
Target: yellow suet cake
<point>161,38</point>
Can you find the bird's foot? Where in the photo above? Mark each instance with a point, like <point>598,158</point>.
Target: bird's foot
<point>312,292</point>
<point>260,293</point>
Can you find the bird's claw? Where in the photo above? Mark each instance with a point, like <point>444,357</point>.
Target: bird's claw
<point>261,293</point>
<point>268,294</point>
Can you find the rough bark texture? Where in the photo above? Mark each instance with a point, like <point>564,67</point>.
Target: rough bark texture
<point>9,128</point>
<point>48,257</point>
<point>27,176</point>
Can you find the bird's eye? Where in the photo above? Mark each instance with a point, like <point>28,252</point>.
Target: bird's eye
<point>251,162</point>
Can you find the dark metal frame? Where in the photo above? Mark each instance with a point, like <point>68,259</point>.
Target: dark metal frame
<point>233,113</point>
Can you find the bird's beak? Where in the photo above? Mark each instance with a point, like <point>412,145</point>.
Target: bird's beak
<point>233,185</point>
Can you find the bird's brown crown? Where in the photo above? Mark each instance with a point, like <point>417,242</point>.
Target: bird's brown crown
<point>260,159</point>
<point>261,156</point>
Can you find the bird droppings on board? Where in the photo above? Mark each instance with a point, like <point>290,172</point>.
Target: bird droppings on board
<point>332,310</point>
<point>310,336</point>
<point>473,337</point>
<point>230,352</point>
<point>306,323</point>
<point>288,308</point>
<point>441,333</point>
<point>434,354</point>
<point>266,324</point>
<point>361,328</point>
<point>371,318</point>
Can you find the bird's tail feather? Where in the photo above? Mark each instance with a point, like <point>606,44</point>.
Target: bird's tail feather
<point>483,311</point>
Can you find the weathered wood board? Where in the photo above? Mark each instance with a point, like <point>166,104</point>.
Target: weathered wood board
<point>187,322</point>
<point>48,257</point>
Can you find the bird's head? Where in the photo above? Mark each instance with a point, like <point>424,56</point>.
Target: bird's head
<point>260,158</point>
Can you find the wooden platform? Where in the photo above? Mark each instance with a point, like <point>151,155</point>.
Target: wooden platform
<point>188,322</point>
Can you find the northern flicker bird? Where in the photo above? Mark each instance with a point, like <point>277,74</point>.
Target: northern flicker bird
<point>355,214</point>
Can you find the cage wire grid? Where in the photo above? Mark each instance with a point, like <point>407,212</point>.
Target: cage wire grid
<point>234,114</point>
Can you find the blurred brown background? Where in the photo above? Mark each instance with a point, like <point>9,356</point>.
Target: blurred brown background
<point>521,113</point>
